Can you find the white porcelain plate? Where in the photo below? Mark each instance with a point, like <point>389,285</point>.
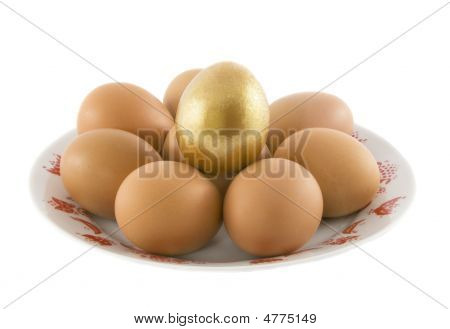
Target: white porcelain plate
<point>394,195</point>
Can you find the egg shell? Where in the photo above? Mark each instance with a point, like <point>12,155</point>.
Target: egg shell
<point>345,169</point>
<point>272,207</point>
<point>172,152</point>
<point>94,165</point>
<point>222,119</point>
<point>127,107</point>
<point>175,89</point>
<point>168,208</point>
<point>299,111</point>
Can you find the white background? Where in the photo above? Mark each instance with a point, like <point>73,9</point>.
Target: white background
<point>402,94</point>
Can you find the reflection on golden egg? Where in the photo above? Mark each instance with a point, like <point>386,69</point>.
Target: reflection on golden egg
<point>222,119</point>
<point>171,152</point>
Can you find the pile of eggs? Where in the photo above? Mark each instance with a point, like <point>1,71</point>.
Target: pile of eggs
<point>214,151</point>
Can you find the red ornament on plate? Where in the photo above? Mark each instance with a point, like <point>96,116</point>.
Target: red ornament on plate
<point>352,227</point>
<point>64,206</point>
<point>355,135</point>
<point>387,207</point>
<point>98,239</point>
<point>388,171</point>
<point>89,225</point>
<point>341,240</point>
<point>55,165</point>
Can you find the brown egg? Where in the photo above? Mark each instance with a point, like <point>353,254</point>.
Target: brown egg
<point>94,165</point>
<point>127,107</point>
<point>176,88</point>
<point>345,169</point>
<point>272,207</point>
<point>168,208</point>
<point>307,110</point>
<point>171,151</point>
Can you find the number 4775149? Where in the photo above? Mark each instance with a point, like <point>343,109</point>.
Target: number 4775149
<point>290,318</point>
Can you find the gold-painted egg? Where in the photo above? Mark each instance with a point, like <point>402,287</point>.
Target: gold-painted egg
<point>222,119</point>
<point>171,152</point>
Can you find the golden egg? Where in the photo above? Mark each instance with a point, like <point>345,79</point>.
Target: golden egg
<point>171,152</point>
<point>222,119</point>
